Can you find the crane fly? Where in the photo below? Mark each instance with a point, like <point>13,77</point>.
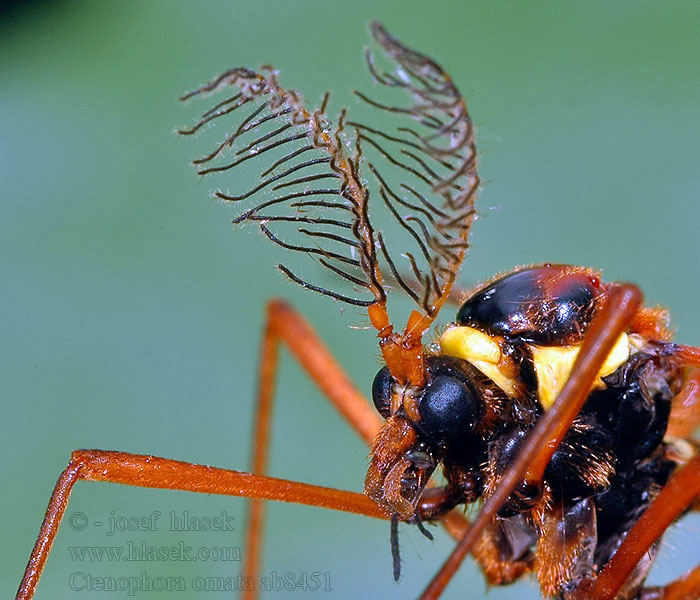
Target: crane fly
<point>555,401</point>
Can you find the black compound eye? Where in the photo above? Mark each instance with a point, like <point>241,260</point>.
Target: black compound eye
<point>447,409</point>
<point>381,391</point>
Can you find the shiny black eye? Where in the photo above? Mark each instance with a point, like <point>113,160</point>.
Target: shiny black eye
<point>447,409</point>
<point>381,391</point>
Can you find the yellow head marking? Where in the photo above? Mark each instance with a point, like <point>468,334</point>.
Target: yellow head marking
<point>482,351</point>
<point>553,365</point>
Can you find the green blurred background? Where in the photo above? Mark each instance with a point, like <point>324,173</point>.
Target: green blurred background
<point>131,312</point>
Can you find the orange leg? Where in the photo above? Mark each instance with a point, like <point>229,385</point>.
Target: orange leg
<point>688,355</point>
<point>613,320</point>
<point>685,410</point>
<point>285,325</point>
<point>684,588</point>
<point>677,495</point>
<point>156,472</point>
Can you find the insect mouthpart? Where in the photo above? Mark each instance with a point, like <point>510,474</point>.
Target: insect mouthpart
<point>422,427</point>
<point>400,468</point>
